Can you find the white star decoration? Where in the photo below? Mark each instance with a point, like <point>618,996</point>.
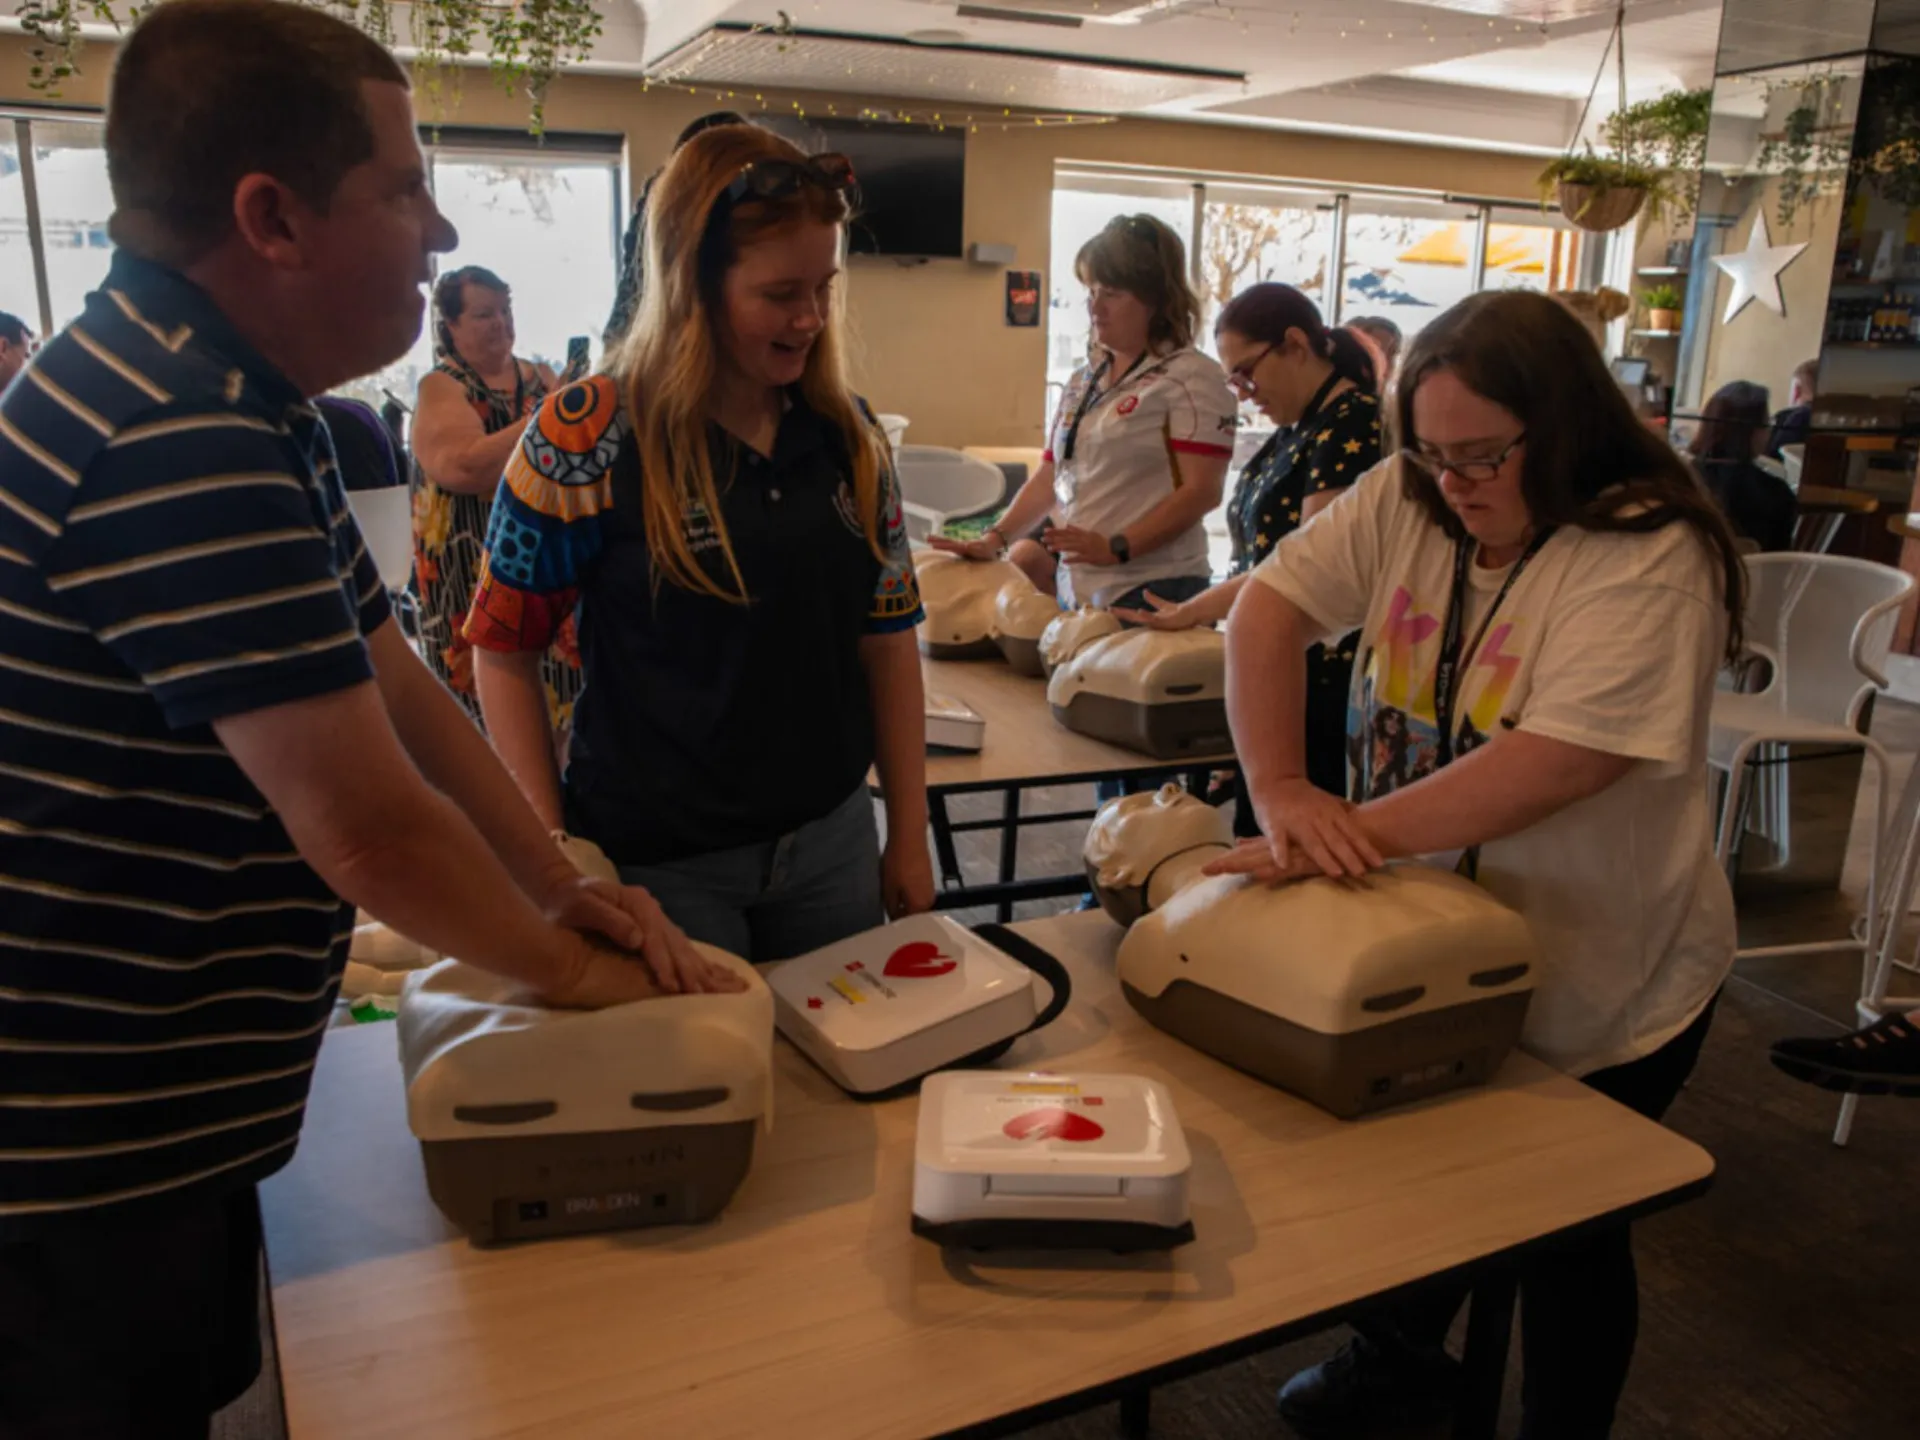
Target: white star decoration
<point>1755,271</point>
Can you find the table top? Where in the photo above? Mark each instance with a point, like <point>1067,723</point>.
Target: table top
<point>1907,526</point>
<point>1827,497</point>
<point>1023,741</point>
<point>809,1308</point>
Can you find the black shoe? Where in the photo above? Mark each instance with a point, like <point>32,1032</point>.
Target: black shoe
<point>1883,1059</point>
<point>1364,1386</point>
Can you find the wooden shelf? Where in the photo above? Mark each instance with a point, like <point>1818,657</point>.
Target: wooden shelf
<point>1654,334</point>
<point>1913,345</point>
<point>1662,270</point>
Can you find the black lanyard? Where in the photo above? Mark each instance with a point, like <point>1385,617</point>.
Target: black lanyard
<point>1446,679</point>
<point>1308,415</point>
<point>1093,394</point>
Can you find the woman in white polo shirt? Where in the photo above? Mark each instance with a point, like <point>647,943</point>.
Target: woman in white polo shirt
<point>1137,457</point>
<point>1545,595</point>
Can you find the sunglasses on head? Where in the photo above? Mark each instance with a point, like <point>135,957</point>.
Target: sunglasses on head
<point>777,179</point>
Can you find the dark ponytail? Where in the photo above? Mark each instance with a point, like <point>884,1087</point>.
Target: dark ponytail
<point>1264,314</point>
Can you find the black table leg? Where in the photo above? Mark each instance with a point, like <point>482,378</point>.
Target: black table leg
<point>1484,1365</point>
<point>1009,847</point>
<point>1136,1413</point>
<point>943,838</point>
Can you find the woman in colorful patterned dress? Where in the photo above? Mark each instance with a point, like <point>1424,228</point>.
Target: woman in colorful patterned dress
<point>722,513</point>
<point>472,408</point>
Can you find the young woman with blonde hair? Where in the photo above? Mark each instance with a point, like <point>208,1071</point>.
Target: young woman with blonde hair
<point>721,510</point>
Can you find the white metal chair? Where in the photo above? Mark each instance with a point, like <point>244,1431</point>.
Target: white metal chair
<point>938,485</point>
<point>1824,623</point>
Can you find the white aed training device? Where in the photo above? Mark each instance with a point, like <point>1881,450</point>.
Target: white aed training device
<point>1355,995</point>
<point>953,724</point>
<point>958,597</point>
<point>1160,692</point>
<point>1067,633</point>
<point>536,1122</point>
<point>879,1010</point>
<point>1050,1161</point>
<point>1021,615</point>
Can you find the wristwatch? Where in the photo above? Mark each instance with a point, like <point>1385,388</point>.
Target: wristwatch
<point>1122,552</point>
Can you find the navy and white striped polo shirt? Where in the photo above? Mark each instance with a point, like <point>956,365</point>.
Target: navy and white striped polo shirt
<point>175,548</point>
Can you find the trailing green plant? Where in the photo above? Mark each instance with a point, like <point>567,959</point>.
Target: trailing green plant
<point>1808,154</point>
<point>1663,297</point>
<point>527,41</point>
<point>1669,133</point>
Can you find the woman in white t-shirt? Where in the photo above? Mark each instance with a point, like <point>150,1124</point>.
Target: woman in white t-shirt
<point>1545,595</point>
<point>1137,456</point>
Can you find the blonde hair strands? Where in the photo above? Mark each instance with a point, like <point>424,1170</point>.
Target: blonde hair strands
<point>670,359</point>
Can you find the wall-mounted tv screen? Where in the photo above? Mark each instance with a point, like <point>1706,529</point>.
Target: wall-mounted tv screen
<point>912,181</point>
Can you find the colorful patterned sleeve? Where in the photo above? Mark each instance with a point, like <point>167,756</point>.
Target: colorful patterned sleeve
<point>896,599</point>
<point>546,530</point>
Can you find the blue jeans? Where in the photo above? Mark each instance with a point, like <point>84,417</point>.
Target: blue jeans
<point>1177,588</point>
<point>781,898</point>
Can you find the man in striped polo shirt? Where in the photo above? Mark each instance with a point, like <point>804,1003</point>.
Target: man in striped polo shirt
<point>210,729</point>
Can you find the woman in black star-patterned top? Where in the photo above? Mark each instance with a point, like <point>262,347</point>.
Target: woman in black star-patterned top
<point>1319,386</point>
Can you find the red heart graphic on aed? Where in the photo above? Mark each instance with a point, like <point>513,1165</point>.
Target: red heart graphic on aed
<point>1051,1122</point>
<point>918,961</point>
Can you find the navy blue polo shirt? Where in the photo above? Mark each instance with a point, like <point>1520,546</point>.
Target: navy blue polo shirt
<point>705,724</point>
<point>175,548</point>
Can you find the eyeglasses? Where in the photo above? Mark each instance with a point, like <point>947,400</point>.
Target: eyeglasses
<point>1477,470</point>
<point>777,179</point>
<point>1240,377</point>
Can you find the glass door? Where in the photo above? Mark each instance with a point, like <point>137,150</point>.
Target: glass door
<point>1407,260</point>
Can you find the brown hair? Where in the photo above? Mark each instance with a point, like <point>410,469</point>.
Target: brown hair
<point>1264,313</point>
<point>1143,256</point>
<point>207,92</point>
<point>1589,462</point>
<point>1737,412</point>
<point>668,359</point>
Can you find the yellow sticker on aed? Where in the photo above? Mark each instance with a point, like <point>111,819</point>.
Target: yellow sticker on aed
<point>848,990</point>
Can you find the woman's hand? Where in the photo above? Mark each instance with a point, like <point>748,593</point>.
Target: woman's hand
<point>1078,545</point>
<point>630,917</point>
<point>1165,615</point>
<point>1254,859</point>
<point>1300,819</point>
<point>988,547</point>
<point>906,876</point>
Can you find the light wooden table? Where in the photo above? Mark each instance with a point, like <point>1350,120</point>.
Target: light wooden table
<point>808,1309</point>
<point>1025,748</point>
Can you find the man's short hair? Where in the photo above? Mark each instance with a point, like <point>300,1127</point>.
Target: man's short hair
<point>13,329</point>
<point>207,92</point>
<point>1807,372</point>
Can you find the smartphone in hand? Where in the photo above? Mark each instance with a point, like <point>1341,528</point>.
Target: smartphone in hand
<point>579,359</point>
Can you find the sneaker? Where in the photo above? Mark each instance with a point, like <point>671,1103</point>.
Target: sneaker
<point>1883,1059</point>
<point>1363,1387</point>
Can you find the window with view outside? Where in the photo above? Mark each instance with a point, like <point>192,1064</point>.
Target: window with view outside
<point>548,226</point>
<point>70,175</point>
<point>1251,241</point>
<point>1406,261</point>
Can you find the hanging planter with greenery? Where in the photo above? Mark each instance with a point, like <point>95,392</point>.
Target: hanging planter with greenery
<point>1651,142</point>
<point>527,41</point>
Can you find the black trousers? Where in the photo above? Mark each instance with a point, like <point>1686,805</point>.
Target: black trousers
<point>1579,1303</point>
<point>134,1326</point>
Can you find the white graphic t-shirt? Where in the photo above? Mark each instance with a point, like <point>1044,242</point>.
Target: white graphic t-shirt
<point>1606,640</point>
<point>1122,464</point>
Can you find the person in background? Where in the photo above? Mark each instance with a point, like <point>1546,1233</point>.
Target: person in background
<point>215,741</point>
<point>721,509</point>
<point>1732,430</point>
<point>362,444</point>
<point>16,347</point>
<point>1139,446</point>
<point>1792,425</point>
<point>633,246</point>
<point>1319,387</point>
<point>1546,599</point>
<point>467,423</point>
<point>1385,335</point>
